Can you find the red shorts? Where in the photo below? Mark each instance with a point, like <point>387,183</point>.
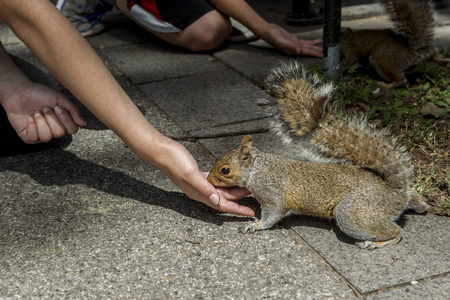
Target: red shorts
<point>168,15</point>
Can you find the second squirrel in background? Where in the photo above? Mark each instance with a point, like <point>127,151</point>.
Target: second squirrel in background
<point>391,52</point>
<point>349,172</point>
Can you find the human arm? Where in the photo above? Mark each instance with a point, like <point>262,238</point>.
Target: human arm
<point>37,112</point>
<point>69,57</point>
<point>270,32</point>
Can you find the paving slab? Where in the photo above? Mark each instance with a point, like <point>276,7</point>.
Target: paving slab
<point>255,60</point>
<point>250,61</point>
<point>148,62</point>
<point>422,253</point>
<point>207,99</point>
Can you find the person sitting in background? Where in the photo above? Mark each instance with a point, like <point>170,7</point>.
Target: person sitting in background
<point>197,25</point>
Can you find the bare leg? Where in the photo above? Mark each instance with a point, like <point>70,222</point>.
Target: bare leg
<point>205,34</point>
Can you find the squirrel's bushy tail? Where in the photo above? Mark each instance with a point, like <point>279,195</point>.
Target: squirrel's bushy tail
<point>413,20</point>
<point>302,110</point>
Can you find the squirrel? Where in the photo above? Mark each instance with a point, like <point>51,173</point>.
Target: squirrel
<point>348,171</point>
<point>391,51</point>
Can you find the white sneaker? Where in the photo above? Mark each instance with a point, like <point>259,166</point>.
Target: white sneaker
<point>85,15</point>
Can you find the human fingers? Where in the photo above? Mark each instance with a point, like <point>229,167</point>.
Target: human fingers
<point>66,120</point>
<point>218,200</point>
<point>30,134</point>
<point>311,42</point>
<point>71,110</point>
<point>232,193</point>
<point>310,50</point>
<point>231,207</point>
<point>43,130</point>
<point>75,114</point>
<point>57,129</point>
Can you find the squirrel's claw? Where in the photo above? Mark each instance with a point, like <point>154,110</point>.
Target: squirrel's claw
<point>369,245</point>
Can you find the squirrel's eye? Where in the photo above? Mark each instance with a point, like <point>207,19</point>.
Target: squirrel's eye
<point>225,171</point>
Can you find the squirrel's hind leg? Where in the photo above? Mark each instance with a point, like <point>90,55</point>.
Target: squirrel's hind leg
<point>370,225</point>
<point>389,68</point>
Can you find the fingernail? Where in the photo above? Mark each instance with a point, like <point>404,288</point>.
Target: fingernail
<point>214,199</point>
<point>30,120</point>
<point>59,110</point>
<point>37,114</point>
<point>46,109</point>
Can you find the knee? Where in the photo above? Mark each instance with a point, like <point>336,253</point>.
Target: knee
<point>205,42</point>
<point>209,34</point>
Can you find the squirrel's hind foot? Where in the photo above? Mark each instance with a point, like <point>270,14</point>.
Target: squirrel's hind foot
<point>370,245</point>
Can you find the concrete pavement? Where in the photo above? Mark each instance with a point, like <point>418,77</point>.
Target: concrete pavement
<point>93,221</point>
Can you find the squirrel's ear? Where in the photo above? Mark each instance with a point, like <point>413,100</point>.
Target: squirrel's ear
<point>244,151</point>
<point>247,141</point>
<point>244,155</point>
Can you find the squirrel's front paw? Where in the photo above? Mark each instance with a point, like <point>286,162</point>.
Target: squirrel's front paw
<point>247,228</point>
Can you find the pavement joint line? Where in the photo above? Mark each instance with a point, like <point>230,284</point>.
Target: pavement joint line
<point>239,122</point>
<point>357,293</point>
<point>175,77</point>
<point>404,284</point>
<point>194,138</point>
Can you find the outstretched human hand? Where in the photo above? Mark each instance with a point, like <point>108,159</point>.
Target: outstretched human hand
<point>179,165</point>
<point>37,112</point>
<point>289,44</point>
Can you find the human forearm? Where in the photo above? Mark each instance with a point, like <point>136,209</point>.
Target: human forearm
<point>269,32</point>
<point>244,13</point>
<point>8,69</point>
<point>61,48</point>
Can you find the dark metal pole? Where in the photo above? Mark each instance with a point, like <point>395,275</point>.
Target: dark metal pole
<point>331,31</point>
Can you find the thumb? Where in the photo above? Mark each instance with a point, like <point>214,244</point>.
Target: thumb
<point>72,109</point>
<point>214,199</point>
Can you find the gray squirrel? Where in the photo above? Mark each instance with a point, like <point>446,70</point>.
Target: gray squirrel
<point>349,171</point>
<point>391,51</point>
